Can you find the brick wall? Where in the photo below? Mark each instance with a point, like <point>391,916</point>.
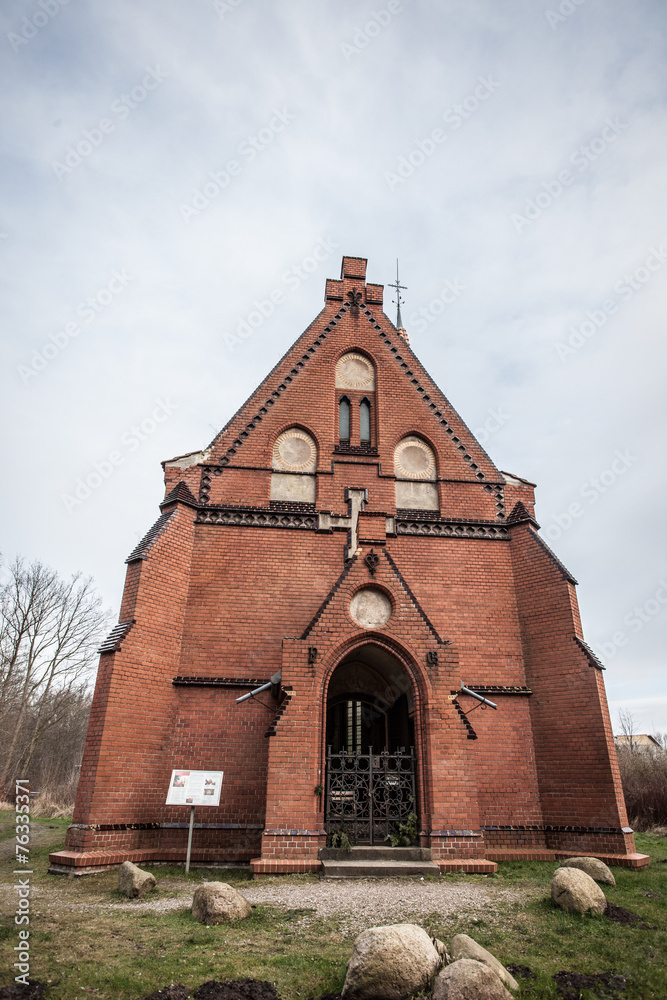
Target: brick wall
<point>230,588</point>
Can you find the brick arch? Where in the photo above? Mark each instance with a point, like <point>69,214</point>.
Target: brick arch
<point>363,351</point>
<point>422,437</point>
<point>421,690</point>
<point>296,425</point>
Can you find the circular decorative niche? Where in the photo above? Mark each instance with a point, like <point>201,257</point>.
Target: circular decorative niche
<point>295,451</point>
<point>370,608</point>
<point>414,459</point>
<point>354,371</point>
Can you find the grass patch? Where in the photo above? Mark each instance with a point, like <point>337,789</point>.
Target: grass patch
<point>82,947</point>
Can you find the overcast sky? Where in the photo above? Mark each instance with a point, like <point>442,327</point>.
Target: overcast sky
<point>169,163</point>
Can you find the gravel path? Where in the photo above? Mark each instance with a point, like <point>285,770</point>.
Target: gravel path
<point>360,903</point>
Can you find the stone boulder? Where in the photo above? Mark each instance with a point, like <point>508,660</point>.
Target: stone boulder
<point>463,946</point>
<point>592,866</point>
<point>390,963</point>
<point>576,892</point>
<point>441,949</point>
<point>219,903</point>
<point>469,980</point>
<point>133,882</point>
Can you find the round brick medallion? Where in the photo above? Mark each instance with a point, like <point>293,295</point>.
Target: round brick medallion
<point>354,371</point>
<point>295,451</point>
<point>370,608</point>
<point>414,459</point>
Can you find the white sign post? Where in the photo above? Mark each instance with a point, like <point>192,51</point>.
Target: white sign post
<point>194,788</point>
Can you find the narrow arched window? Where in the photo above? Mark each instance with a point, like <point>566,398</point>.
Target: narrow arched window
<point>344,419</point>
<point>364,421</point>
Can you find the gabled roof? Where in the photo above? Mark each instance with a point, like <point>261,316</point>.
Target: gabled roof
<point>380,333</point>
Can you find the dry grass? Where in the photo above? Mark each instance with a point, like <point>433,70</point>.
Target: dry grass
<point>52,805</point>
<point>4,805</point>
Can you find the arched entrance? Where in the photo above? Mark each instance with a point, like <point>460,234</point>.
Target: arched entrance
<point>370,764</point>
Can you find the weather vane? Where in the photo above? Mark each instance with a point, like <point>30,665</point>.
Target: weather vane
<point>396,284</point>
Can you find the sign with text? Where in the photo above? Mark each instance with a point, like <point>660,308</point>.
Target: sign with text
<point>195,788</point>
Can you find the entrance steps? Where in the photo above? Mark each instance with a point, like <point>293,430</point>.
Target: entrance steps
<point>377,862</point>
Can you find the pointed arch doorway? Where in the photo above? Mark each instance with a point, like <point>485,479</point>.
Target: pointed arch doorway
<point>370,759</point>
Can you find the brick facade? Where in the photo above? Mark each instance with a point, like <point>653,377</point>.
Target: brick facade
<point>232,585</point>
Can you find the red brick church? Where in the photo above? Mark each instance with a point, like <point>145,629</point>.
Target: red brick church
<point>346,545</point>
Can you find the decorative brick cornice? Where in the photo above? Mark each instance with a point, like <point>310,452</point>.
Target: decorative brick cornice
<point>408,514</point>
<point>259,517</point>
<point>592,658</point>
<point>355,449</point>
<point>292,505</point>
<point>112,643</point>
<point>150,538</point>
<point>459,528</point>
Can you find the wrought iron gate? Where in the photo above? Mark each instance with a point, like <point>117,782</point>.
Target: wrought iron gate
<point>367,794</point>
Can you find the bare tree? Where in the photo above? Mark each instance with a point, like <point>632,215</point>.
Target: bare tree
<point>627,722</point>
<point>49,630</point>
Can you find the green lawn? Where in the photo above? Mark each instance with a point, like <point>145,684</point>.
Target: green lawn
<point>124,955</point>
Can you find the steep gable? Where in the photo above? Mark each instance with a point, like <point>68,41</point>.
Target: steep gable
<point>301,392</point>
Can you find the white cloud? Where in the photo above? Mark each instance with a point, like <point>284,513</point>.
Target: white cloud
<point>493,348</point>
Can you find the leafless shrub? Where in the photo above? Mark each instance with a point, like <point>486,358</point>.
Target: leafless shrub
<point>49,631</point>
<point>644,777</point>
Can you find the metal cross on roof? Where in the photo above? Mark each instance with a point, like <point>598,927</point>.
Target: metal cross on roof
<point>397,285</point>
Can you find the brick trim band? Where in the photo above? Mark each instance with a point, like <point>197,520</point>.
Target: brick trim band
<point>233,682</point>
<point>548,828</point>
<point>107,827</point>
<point>294,833</point>
<point>512,689</point>
<point>455,833</point>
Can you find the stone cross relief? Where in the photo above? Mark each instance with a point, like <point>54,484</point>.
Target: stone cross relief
<point>356,500</point>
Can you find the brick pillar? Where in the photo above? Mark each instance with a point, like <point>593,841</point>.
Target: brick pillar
<point>293,830</point>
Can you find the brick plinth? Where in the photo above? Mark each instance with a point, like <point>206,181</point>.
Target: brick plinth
<point>456,846</point>
<point>86,862</point>
<point>467,866</point>
<point>285,866</point>
<point>632,860</point>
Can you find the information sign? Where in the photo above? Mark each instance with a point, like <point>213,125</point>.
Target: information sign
<point>194,788</point>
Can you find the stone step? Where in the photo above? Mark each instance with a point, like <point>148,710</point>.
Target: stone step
<point>367,853</point>
<point>377,869</point>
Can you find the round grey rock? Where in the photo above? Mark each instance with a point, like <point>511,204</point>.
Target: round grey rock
<point>576,892</point>
<point>469,980</point>
<point>592,866</point>
<point>133,882</point>
<point>219,903</point>
<point>463,946</point>
<point>390,963</point>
